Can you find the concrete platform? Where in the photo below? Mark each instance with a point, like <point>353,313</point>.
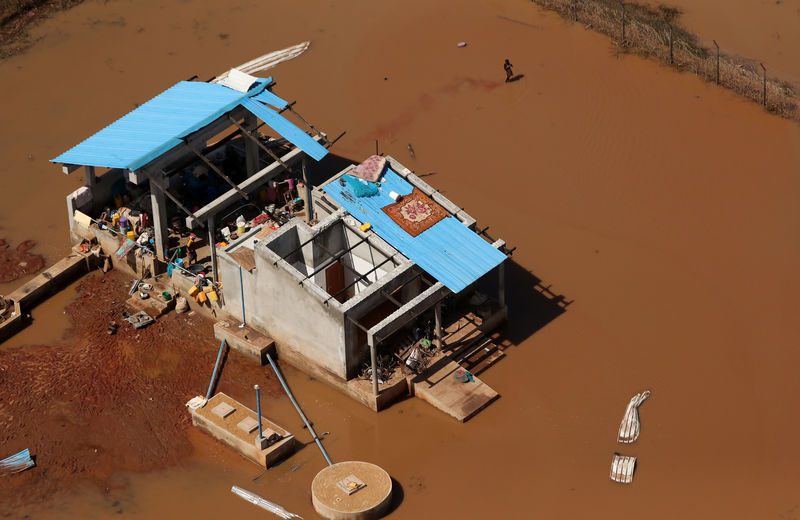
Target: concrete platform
<point>246,340</point>
<point>230,427</point>
<point>155,305</point>
<point>46,283</point>
<point>352,490</point>
<point>438,386</point>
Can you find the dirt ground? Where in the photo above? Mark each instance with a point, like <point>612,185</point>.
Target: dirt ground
<point>99,403</point>
<point>18,262</point>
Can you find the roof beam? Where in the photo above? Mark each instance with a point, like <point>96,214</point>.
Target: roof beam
<point>409,311</point>
<point>155,182</point>
<point>217,170</point>
<point>251,183</point>
<point>258,142</point>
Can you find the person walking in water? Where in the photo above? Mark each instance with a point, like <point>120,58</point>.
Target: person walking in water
<point>509,72</point>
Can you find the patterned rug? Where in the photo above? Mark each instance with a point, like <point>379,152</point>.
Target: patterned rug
<point>415,212</point>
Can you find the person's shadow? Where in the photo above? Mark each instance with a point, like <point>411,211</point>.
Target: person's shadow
<point>517,77</point>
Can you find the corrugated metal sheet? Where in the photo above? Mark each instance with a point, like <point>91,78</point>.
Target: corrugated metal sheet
<point>271,99</point>
<point>286,128</point>
<point>155,127</point>
<point>158,125</point>
<point>449,251</point>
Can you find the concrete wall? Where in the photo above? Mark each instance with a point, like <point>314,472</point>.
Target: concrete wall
<point>295,314</point>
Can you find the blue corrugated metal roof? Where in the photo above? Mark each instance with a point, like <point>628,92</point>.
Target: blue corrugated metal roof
<point>449,251</point>
<point>286,128</point>
<point>271,99</point>
<point>158,125</point>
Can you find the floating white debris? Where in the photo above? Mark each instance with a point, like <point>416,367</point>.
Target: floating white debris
<point>264,504</point>
<point>629,428</point>
<point>622,468</point>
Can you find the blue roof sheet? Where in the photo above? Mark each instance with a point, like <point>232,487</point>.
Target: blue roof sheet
<point>286,128</point>
<point>271,99</point>
<point>449,251</point>
<point>158,125</point>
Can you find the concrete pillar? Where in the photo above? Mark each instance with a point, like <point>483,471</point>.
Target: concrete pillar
<point>90,178</point>
<point>250,146</point>
<point>212,247</point>
<point>309,209</point>
<point>160,223</point>
<point>374,360</point>
<point>71,212</point>
<point>437,317</point>
<point>501,283</point>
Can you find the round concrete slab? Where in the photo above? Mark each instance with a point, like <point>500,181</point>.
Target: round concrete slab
<point>352,490</point>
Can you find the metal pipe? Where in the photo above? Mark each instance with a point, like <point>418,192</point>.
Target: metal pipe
<point>216,367</point>
<point>258,407</point>
<point>299,411</point>
<point>241,289</point>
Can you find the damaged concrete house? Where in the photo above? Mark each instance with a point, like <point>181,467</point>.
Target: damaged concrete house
<point>371,280</point>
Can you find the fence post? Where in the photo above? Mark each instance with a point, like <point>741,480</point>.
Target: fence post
<point>670,44</point>
<point>623,22</point>
<point>764,97</point>
<point>717,46</point>
<point>575,10</point>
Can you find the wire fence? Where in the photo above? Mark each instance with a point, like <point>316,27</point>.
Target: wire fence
<point>654,32</point>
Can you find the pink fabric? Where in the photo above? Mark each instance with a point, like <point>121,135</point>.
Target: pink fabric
<point>371,169</point>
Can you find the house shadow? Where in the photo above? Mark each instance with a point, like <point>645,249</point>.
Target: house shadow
<point>329,166</point>
<point>531,304</point>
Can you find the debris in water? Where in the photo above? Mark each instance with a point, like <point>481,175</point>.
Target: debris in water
<point>264,504</point>
<point>629,428</point>
<point>622,468</point>
<point>16,463</point>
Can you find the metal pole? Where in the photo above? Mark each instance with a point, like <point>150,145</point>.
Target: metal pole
<point>764,98</point>
<point>575,10</point>
<point>376,147</point>
<point>623,23</point>
<point>212,246</point>
<point>670,44</point>
<point>299,411</point>
<point>374,361</point>
<point>437,317</point>
<point>216,367</point>
<point>241,289</point>
<point>717,46</point>
<point>258,407</point>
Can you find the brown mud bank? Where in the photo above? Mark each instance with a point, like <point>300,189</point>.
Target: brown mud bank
<point>98,403</point>
<point>655,32</point>
<point>16,16</point>
<point>18,262</point>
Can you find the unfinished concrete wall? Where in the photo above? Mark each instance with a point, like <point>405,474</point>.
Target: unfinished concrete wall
<point>293,313</point>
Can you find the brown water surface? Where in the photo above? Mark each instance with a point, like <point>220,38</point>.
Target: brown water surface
<point>666,208</point>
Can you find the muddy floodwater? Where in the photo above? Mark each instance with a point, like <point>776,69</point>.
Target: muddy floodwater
<point>665,209</point>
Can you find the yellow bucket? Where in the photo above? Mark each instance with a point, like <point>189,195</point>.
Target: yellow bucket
<point>212,295</point>
<point>131,235</point>
<point>201,297</point>
<point>194,290</point>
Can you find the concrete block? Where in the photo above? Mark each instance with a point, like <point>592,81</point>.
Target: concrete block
<point>248,425</point>
<point>279,443</point>
<point>245,340</point>
<point>224,409</point>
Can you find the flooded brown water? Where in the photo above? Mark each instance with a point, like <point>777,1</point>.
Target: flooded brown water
<point>665,208</point>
